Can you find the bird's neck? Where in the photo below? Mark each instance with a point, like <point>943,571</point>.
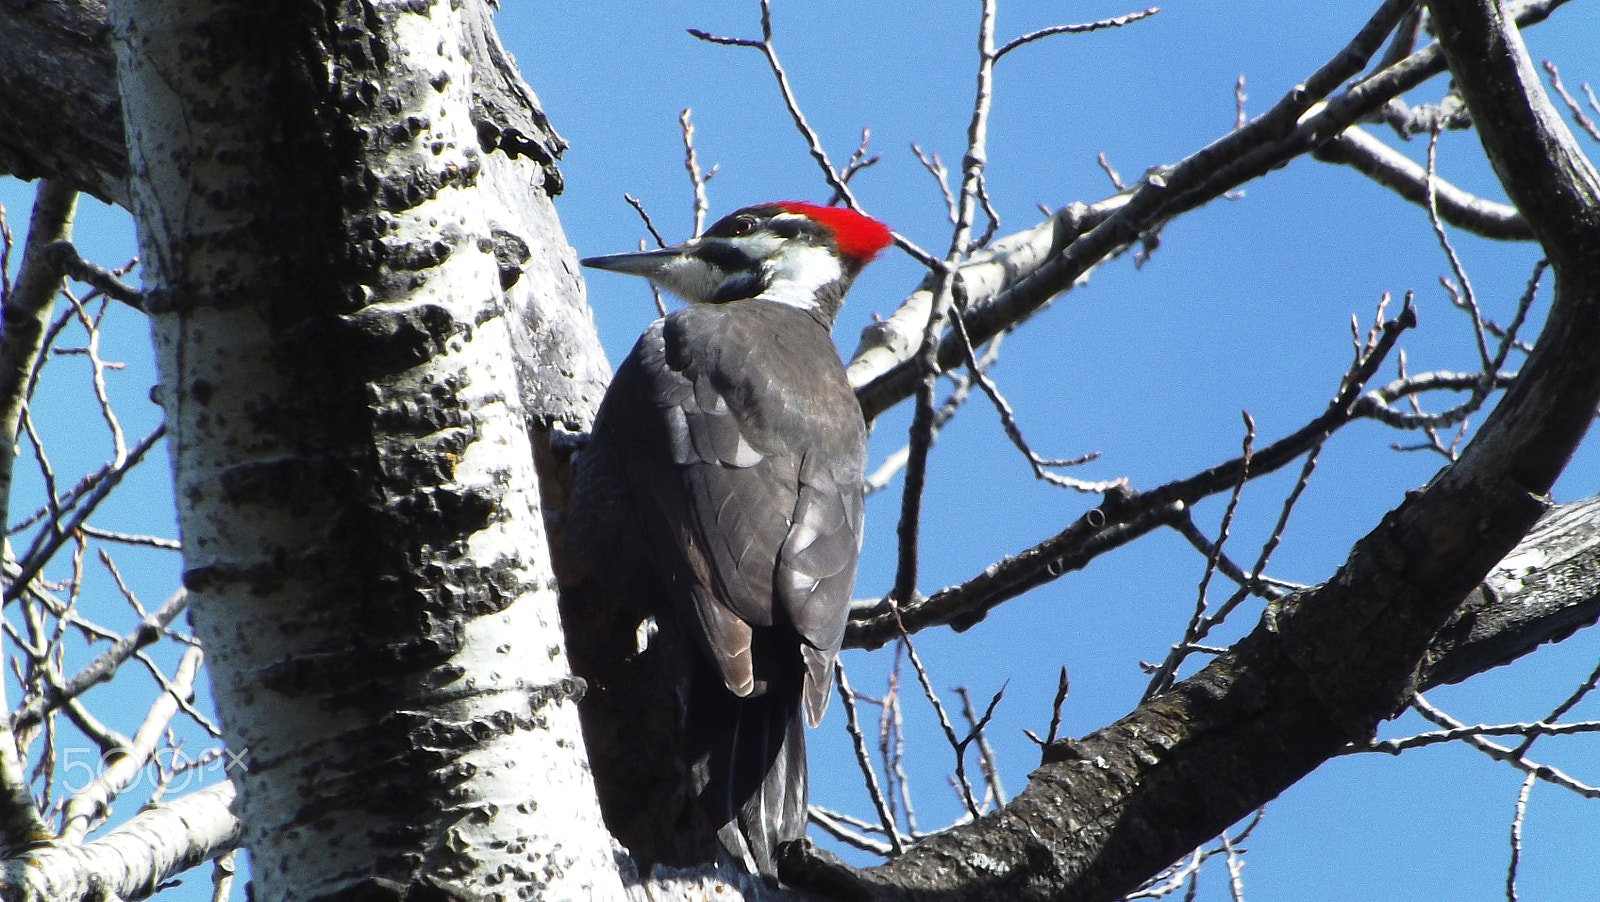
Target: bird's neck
<point>809,278</point>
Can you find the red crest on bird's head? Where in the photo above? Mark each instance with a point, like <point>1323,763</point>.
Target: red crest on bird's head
<point>858,237</point>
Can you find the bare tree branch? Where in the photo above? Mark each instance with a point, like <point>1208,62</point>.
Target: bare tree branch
<point>1122,517</point>
<point>27,316</point>
<point>49,540</point>
<point>1114,22</point>
<point>697,177</point>
<point>1290,694</point>
<point>1298,123</point>
<point>89,805</point>
<point>813,142</point>
<point>1357,148</point>
<point>1462,733</point>
<point>1578,116</point>
<point>869,775</point>
<point>105,666</point>
<point>132,860</point>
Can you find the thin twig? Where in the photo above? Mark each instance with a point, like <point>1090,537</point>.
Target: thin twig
<point>1508,335</point>
<point>986,760</point>
<point>103,281</point>
<point>975,734</point>
<point>1062,687</point>
<point>1123,517</point>
<point>990,216</point>
<point>941,175</point>
<point>50,540</point>
<point>1302,120</point>
<point>697,179</point>
<point>52,495</point>
<point>1114,22</point>
<point>838,825</point>
<point>638,207</point>
<point>922,429</point>
<point>105,666</point>
<point>1499,752</point>
<point>1013,431</point>
<point>1185,526</point>
<point>1235,869</point>
<point>1457,732</point>
<point>864,760</point>
<point>857,162</point>
<point>1479,385</point>
<point>123,538</point>
<point>1171,880</point>
<point>1162,679</point>
<point>813,142</point>
<point>108,741</point>
<point>892,743</point>
<point>956,745</point>
<point>1578,116</point>
<point>1468,298</point>
<point>1375,403</point>
<point>119,445</point>
<point>1566,705</point>
<point>1521,812</point>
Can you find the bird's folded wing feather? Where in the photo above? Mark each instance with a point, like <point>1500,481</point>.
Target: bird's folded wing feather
<point>752,518</point>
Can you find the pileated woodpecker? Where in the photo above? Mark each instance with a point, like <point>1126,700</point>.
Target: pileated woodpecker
<point>726,464</point>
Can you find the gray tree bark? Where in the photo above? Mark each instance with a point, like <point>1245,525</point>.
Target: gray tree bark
<point>60,117</point>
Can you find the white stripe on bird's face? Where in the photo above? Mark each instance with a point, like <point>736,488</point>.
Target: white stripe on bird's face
<point>796,272</point>
<point>782,265</point>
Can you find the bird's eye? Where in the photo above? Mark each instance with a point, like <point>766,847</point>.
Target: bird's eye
<point>744,225</point>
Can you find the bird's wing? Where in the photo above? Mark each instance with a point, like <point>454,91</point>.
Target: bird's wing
<point>747,513</point>
<point>717,497</point>
<point>817,569</point>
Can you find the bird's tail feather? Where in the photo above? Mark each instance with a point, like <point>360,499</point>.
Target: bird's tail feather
<point>754,751</point>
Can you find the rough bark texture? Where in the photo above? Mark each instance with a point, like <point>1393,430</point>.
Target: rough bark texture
<point>328,273</point>
<point>1545,590</point>
<point>61,118</point>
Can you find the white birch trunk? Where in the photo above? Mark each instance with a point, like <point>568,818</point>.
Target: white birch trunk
<point>356,490</point>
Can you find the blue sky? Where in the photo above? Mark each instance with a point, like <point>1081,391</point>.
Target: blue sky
<point>1246,306</point>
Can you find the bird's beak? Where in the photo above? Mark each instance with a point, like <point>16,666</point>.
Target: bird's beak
<point>638,263</point>
<point>677,269</point>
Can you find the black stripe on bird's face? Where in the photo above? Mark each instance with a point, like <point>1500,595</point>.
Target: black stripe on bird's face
<point>735,272</point>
